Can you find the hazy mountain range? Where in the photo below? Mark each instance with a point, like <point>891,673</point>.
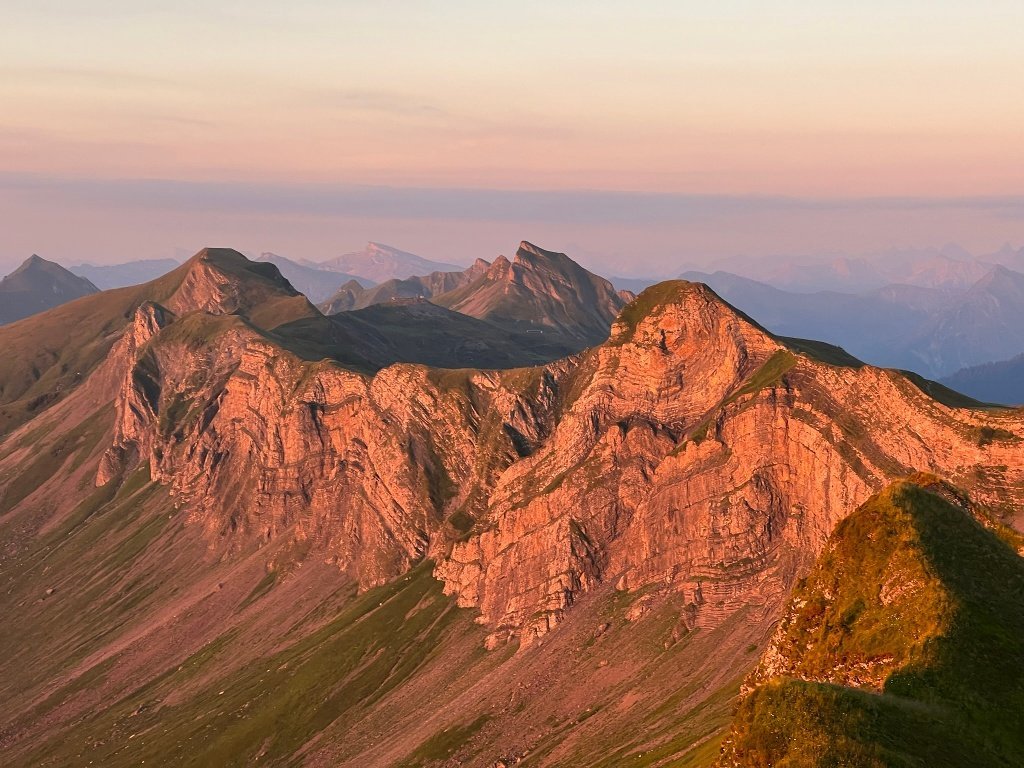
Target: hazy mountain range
<point>934,332</point>
<point>948,268</point>
<point>999,382</point>
<point>378,262</point>
<point>121,275</point>
<point>315,282</point>
<point>932,311</point>
<point>238,531</point>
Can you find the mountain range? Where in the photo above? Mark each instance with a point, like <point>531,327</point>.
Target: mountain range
<point>933,311</point>
<point>106,276</point>
<point>950,267</point>
<point>353,295</point>
<point>999,382</point>
<point>378,262</point>
<point>238,531</point>
<point>928,330</point>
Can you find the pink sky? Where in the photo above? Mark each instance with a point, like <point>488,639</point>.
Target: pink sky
<point>820,101</point>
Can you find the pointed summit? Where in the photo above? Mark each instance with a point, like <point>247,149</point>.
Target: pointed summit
<point>38,285</point>
<point>541,292</point>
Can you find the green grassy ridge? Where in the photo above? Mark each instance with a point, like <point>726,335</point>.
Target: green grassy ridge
<point>821,352</point>
<point>952,648</point>
<point>943,394</point>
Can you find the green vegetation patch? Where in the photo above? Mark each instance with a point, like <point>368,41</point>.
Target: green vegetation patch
<point>273,706</point>
<point>262,588</point>
<point>443,744</point>
<point>914,593</point>
<point>768,375</point>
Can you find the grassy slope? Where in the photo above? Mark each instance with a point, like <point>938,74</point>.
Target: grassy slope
<point>950,645</point>
<point>271,706</point>
<point>47,355</point>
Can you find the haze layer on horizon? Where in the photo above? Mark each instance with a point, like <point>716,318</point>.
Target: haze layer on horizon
<point>134,130</point>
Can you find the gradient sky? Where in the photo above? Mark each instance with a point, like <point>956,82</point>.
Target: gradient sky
<point>141,128</point>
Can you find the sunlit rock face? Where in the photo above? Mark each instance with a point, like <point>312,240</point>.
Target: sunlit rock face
<point>692,449</point>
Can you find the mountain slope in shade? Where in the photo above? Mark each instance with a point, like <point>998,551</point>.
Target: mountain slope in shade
<point>38,285</point>
<point>250,555</point>
<point>1001,382</point>
<point>411,331</point>
<point>379,262</point>
<point>316,284</point>
<point>903,646</point>
<point>540,291</point>
<point>349,296</point>
<point>107,276</point>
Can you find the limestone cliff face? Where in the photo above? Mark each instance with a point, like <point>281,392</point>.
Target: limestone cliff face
<point>692,451</point>
<point>704,455</point>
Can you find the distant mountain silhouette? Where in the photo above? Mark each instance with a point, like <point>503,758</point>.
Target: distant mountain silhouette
<point>379,262</point>
<point>38,285</point>
<point>107,276</point>
<point>999,382</point>
<point>318,284</point>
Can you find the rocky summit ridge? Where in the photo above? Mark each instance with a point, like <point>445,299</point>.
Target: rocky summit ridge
<point>213,476</point>
<point>692,448</point>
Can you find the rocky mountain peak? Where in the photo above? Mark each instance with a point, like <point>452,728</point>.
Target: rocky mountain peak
<point>36,264</point>
<point>500,268</point>
<point>678,311</point>
<point>528,251</point>
<point>222,281</point>
<point>531,257</point>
